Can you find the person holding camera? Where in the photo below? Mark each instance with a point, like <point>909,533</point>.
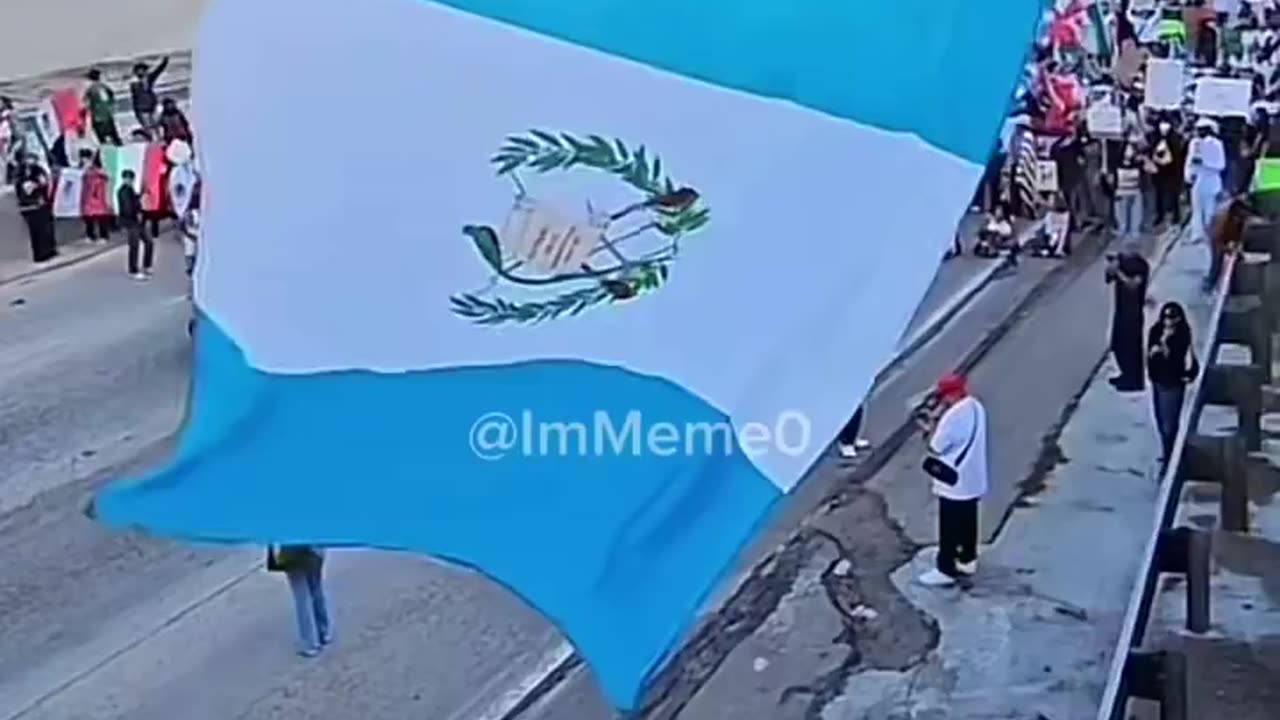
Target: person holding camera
<point>1128,273</point>
<point>956,430</point>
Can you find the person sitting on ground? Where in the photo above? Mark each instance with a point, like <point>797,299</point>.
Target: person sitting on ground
<point>1054,237</point>
<point>996,235</point>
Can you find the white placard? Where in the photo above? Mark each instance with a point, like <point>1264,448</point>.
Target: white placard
<point>1142,6</point>
<point>1046,176</point>
<point>1165,84</point>
<point>1103,119</point>
<point>1223,96</point>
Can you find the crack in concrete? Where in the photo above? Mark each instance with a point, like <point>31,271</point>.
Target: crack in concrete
<point>773,578</point>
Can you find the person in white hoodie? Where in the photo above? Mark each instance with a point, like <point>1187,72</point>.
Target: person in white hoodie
<point>957,463</point>
<point>1206,159</point>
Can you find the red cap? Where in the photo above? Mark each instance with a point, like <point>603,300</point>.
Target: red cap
<point>952,385</point>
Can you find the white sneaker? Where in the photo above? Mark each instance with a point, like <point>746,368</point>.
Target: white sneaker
<point>969,568</point>
<point>848,452</point>
<point>862,444</point>
<point>936,578</point>
<point>138,276</point>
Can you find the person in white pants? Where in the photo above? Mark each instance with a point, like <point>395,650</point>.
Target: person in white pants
<point>1206,159</point>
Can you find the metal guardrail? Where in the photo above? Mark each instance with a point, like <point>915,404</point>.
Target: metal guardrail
<point>1239,315</point>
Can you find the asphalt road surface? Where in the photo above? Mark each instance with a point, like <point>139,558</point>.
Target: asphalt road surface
<point>100,624</point>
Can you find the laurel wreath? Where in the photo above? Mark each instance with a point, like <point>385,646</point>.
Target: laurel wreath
<point>543,152</point>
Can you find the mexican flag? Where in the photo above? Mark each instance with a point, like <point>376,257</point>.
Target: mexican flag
<point>59,114</point>
<point>146,160</point>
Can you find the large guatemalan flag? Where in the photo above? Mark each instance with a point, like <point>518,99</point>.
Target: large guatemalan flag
<point>707,212</point>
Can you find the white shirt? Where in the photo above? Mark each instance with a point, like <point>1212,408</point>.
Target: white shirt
<point>962,423</point>
<point>1213,159</point>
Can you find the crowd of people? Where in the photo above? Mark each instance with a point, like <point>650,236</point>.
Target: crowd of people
<point>130,210</point>
<point>1159,161</point>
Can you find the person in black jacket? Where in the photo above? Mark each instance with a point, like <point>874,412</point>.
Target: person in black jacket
<point>34,194</point>
<point>1128,273</point>
<point>129,211</point>
<point>1171,364</point>
<point>142,90</point>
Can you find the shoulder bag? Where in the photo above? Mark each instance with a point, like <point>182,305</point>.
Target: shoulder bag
<point>938,469</point>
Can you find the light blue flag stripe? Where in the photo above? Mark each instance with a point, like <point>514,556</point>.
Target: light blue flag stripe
<point>941,70</point>
<point>618,549</point>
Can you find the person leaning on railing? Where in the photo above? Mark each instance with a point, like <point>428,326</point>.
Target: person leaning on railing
<point>1226,234</point>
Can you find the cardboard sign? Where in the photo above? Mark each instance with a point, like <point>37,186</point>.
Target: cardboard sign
<point>1103,119</point>
<point>1046,176</point>
<point>1223,97</point>
<point>1165,85</point>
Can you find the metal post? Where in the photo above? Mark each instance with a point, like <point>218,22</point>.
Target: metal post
<point>1186,551</point>
<point>1159,676</point>
<point>1234,499</point>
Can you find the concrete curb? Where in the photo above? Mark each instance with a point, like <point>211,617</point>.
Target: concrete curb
<point>943,315</point>
<point>60,262</point>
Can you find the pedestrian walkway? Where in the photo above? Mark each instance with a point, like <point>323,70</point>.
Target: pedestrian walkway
<point>1233,670</point>
<point>822,615</point>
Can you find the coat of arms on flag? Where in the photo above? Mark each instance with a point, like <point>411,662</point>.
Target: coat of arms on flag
<point>566,264</point>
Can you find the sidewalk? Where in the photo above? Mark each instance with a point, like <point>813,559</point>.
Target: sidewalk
<point>820,611</point>
<point>1234,670</point>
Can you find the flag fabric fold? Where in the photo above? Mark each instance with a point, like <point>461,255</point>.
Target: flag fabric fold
<point>545,338</point>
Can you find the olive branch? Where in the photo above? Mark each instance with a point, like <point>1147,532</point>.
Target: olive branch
<point>543,152</point>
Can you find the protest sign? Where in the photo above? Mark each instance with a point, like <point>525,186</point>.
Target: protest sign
<point>1164,86</point>
<point>1223,97</point>
<point>66,200</point>
<point>1103,119</point>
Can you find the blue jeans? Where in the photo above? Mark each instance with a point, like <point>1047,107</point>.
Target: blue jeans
<point>1128,210</point>
<point>1167,403</point>
<point>310,606</point>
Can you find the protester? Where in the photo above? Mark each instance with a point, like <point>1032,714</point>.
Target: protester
<point>1166,148</point>
<point>1171,364</point>
<point>129,210</point>
<point>1068,155</point>
<point>1257,137</point>
<point>35,203</point>
<point>93,200</point>
<point>1226,235</point>
<point>8,130</point>
<point>957,463</point>
<point>1054,238</point>
<point>142,90</point>
<point>100,103</point>
<point>303,566</point>
<point>1128,272</point>
<point>1206,159</point>
<point>996,235</point>
<point>173,123</point>
<point>1126,189</point>
<point>851,440</point>
<point>189,226</point>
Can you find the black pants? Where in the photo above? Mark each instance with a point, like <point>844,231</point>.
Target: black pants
<point>138,236</point>
<point>44,242</point>
<point>107,132</point>
<point>957,534</point>
<point>1126,346</point>
<point>1168,198</point>
<point>97,228</point>
<point>849,435</point>
<point>153,218</point>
